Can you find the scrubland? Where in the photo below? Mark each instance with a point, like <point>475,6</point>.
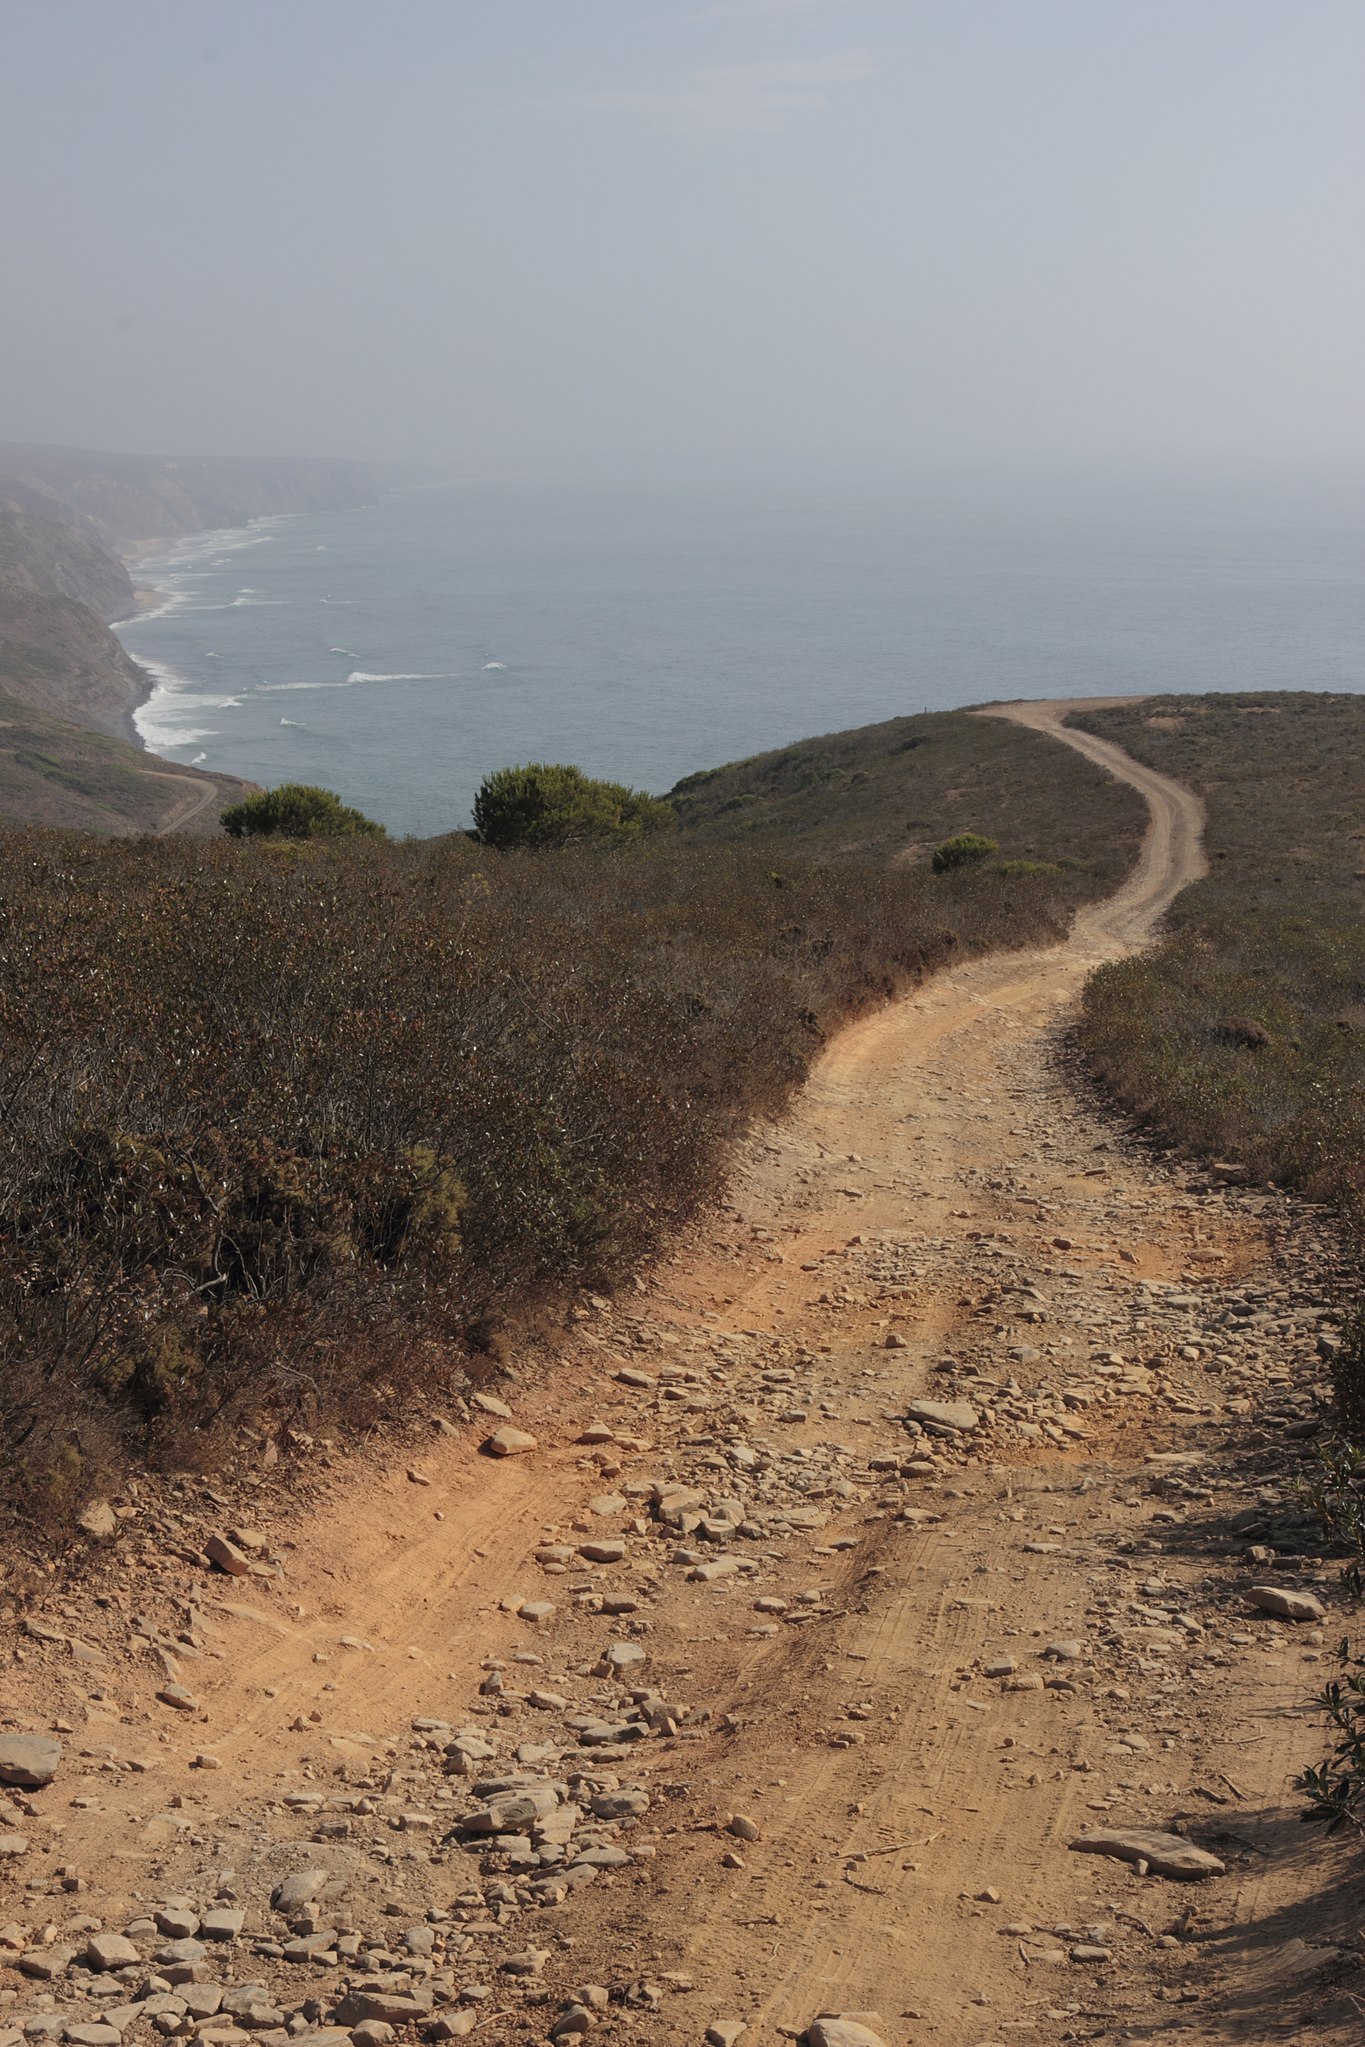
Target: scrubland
<point>292,1130</point>
<point>1243,1033</point>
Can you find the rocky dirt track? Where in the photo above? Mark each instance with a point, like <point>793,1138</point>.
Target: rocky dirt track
<point>827,1594</point>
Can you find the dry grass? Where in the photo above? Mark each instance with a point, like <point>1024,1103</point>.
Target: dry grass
<point>287,1130</point>
<point>885,791</point>
<point>1243,1035</point>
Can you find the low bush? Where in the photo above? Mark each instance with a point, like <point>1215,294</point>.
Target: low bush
<point>1336,1786</point>
<point>543,806</point>
<point>297,810</point>
<point>964,849</point>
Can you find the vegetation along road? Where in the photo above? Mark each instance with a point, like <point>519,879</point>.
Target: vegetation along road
<point>813,1640</point>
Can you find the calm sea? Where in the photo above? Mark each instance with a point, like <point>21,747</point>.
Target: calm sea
<point>398,654</point>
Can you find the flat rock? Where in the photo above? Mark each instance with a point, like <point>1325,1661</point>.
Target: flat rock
<point>373,2033</point>
<point>227,1556</point>
<point>958,1415</point>
<point>46,1962</point>
<point>395,2007</point>
<point>510,1811</point>
<point>1286,1605</point>
<point>298,1890</point>
<point>111,1951</point>
<point>510,1442</point>
<point>627,1803</point>
<point>99,1521</point>
<point>725,2032</point>
<point>1164,1854</point>
<point>622,1656</point>
<point>832,2031</point>
<point>176,1695</point>
<point>603,1550</point>
<point>177,1922</point>
<point>12,1845</point>
<point>222,1925</point>
<point>29,1760</point>
<point>488,1403</point>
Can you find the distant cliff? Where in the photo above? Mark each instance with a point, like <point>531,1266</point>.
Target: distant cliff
<point>58,586</point>
<point>66,516</point>
<point>128,500</point>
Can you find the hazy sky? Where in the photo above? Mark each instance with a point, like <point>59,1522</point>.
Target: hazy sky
<point>517,234</point>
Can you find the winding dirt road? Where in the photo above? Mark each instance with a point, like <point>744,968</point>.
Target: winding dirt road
<point>915,1656</point>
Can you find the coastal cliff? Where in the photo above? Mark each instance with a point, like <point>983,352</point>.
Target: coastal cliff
<point>128,501</point>
<point>69,751</point>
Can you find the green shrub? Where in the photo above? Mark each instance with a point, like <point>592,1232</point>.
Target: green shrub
<point>297,810</point>
<point>542,805</point>
<point>965,849</point>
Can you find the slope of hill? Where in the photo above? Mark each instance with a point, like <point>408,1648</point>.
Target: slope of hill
<point>415,1087</point>
<point>58,588</point>
<point>55,773</point>
<point>1243,1034</point>
<point>894,790</point>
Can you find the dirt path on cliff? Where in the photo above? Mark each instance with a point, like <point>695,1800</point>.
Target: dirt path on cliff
<point>827,1679</point>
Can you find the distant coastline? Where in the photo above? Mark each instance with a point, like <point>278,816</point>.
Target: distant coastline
<point>73,523</point>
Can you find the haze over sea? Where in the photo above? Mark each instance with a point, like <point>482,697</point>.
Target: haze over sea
<point>399,653</point>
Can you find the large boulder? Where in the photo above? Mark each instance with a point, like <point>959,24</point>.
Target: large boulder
<point>29,1760</point>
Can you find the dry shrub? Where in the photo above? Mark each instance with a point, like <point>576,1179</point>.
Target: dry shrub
<point>282,1125</point>
<point>1237,1036</point>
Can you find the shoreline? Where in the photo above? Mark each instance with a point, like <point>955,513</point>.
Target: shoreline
<point>151,600</point>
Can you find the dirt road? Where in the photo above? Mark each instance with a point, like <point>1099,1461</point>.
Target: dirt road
<point>827,1679</point>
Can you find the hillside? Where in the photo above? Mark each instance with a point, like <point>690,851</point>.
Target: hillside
<point>894,790</point>
<point>58,587</point>
<point>56,773</point>
<point>1243,1033</point>
<point>759,1642</point>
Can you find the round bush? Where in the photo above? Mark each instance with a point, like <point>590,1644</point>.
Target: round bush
<point>549,805</point>
<point>963,851</point>
<point>297,810</point>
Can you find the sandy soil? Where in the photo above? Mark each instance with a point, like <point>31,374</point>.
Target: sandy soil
<point>916,1660</point>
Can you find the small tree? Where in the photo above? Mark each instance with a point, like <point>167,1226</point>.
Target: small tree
<point>548,805</point>
<point>963,851</point>
<point>297,810</point>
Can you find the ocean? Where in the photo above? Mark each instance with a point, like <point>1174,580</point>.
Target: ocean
<point>399,653</point>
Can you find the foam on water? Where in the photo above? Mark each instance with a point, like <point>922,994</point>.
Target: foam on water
<point>361,675</point>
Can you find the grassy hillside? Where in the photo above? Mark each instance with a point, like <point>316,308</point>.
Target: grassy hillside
<point>55,773</point>
<point>287,1129</point>
<point>57,654</point>
<point>1244,1034</point>
<point>894,790</point>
